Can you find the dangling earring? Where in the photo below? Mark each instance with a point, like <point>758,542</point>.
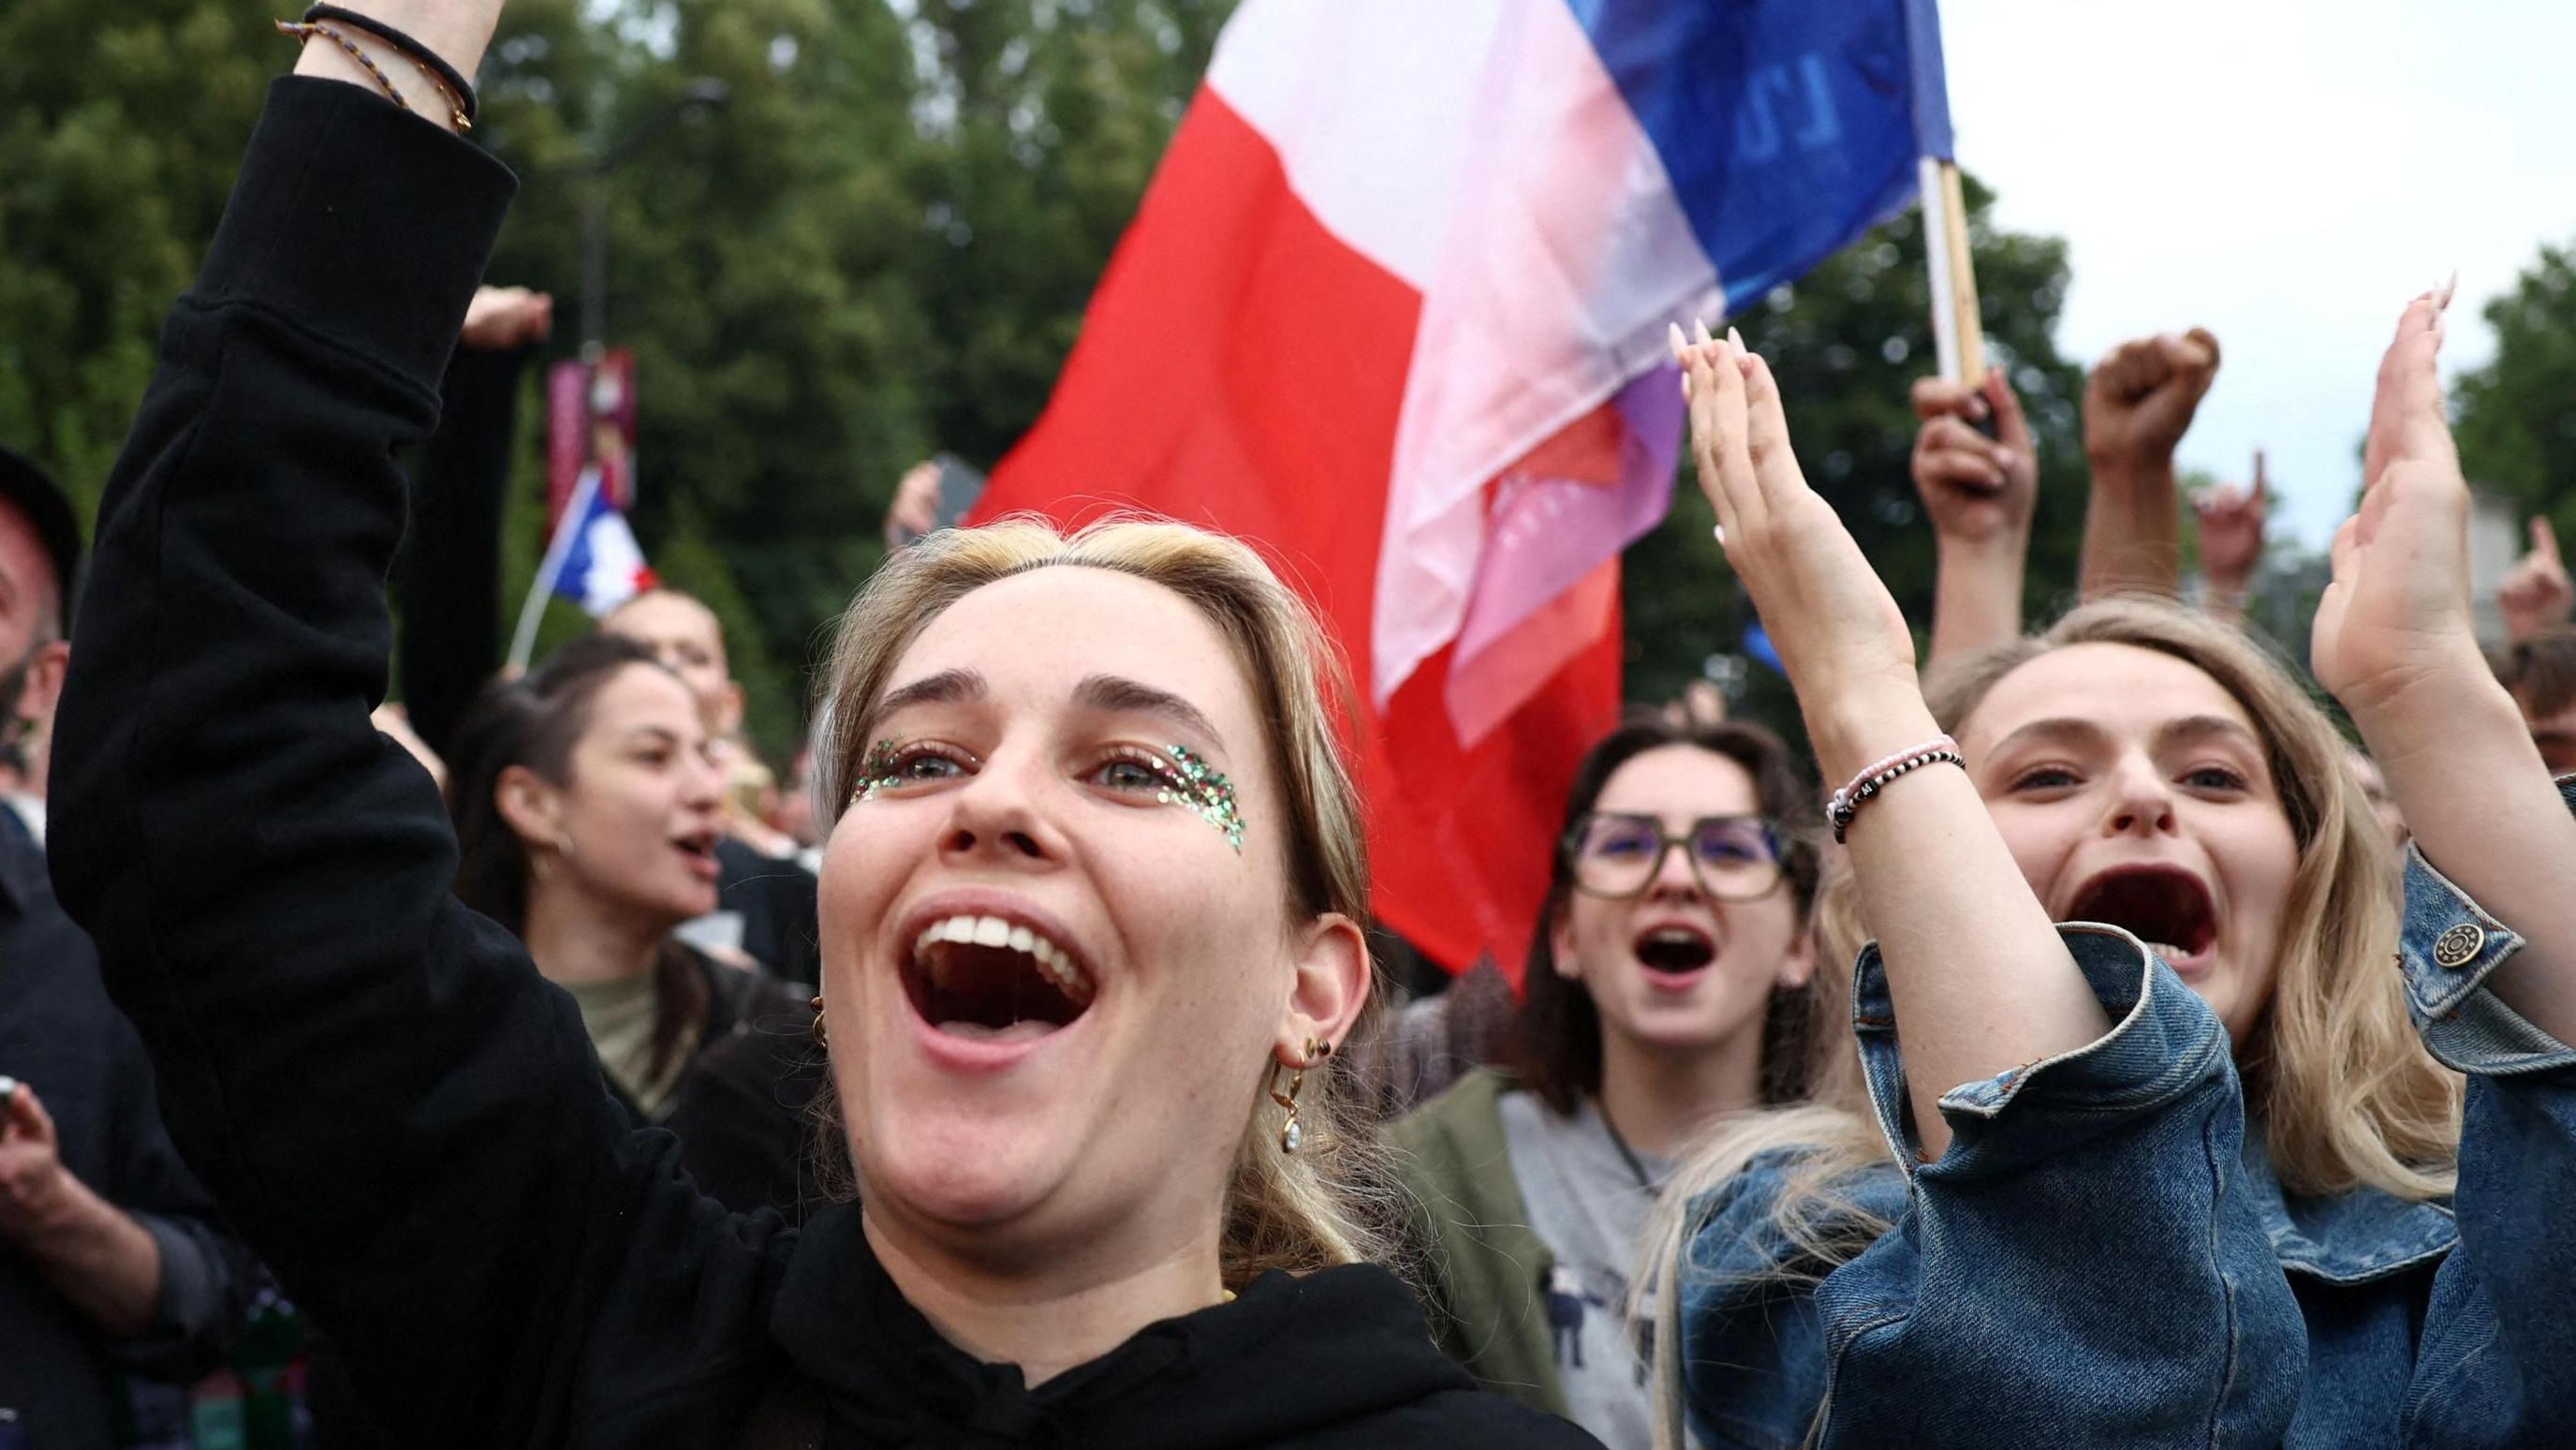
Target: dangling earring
<point>1292,1133</point>
<point>822,1036</point>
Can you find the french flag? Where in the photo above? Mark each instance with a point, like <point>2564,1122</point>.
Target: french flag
<point>598,564</point>
<point>1393,310</point>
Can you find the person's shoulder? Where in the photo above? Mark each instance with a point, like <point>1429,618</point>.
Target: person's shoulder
<point>1739,1230</point>
<point>1471,1105</point>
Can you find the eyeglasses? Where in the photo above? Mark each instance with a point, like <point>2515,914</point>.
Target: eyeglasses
<point>1734,858</point>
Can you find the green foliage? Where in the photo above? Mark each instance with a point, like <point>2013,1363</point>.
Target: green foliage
<point>2517,414</point>
<point>879,247</point>
<point>1847,342</point>
<point>120,131</point>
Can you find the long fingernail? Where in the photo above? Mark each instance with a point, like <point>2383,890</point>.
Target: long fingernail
<point>1686,388</point>
<point>1720,534</point>
<point>1699,330</point>
<point>1736,340</point>
<point>1673,336</point>
<point>2442,294</point>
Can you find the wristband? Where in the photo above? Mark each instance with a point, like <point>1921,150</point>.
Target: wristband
<point>1846,803</point>
<point>458,91</point>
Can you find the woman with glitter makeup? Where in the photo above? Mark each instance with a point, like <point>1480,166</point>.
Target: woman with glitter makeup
<point>1090,923</point>
<point>2139,1146</point>
<point>1665,988</point>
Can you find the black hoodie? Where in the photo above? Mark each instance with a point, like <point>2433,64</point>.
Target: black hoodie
<point>1337,1358</point>
<point>374,1082</point>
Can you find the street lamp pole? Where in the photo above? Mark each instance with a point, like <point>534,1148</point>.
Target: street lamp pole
<point>705,91</point>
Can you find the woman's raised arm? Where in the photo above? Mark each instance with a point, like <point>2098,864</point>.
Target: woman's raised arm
<point>2490,944</point>
<point>1981,980</point>
<point>385,1098</point>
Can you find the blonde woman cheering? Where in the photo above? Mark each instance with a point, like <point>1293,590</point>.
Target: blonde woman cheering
<point>2150,1159</point>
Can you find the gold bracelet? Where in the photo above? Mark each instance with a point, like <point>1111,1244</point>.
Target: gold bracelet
<point>302,30</point>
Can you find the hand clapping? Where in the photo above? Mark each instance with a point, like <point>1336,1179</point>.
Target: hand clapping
<point>2397,611</point>
<point>1840,635</point>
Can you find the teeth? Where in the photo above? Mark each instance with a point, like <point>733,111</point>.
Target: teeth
<point>993,931</point>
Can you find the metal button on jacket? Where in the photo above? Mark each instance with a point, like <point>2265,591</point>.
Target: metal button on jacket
<point>2459,946</point>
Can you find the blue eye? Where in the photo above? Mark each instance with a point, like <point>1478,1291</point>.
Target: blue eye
<point>1126,773</point>
<point>925,765</point>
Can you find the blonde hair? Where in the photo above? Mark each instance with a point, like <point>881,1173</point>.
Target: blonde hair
<point>2347,1094</point>
<point>1331,1202</point>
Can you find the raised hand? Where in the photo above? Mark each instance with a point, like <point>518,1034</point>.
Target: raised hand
<point>506,317</point>
<point>2231,535</point>
<point>2396,615</point>
<point>1976,490</point>
<point>1840,635</point>
<point>2140,400</point>
<point>2536,592</point>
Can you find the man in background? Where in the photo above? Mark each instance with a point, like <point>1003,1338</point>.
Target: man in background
<point>110,1257</point>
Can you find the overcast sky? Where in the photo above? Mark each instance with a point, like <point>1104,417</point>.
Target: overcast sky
<point>2284,172</point>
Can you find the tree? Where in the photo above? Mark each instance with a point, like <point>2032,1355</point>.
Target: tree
<point>2517,414</point>
<point>121,131</point>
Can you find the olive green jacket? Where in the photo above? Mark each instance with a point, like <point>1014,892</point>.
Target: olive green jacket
<point>1484,1272</point>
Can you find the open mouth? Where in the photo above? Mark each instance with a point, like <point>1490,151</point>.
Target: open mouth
<point>1674,950</point>
<point>2166,907</point>
<point>984,977</point>
<point>700,849</point>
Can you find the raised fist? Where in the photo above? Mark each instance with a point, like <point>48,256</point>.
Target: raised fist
<point>1975,489</point>
<point>2140,399</point>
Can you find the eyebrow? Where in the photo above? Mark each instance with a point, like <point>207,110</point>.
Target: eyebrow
<point>667,734</point>
<point>2202,727</point>
<point>948,687</point>
<point>1116,694</point>
<point>2071,731</point>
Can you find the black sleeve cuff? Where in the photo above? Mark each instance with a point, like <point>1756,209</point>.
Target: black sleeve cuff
<point>367,224</point>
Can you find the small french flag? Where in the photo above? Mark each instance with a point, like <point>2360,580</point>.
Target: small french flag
<point>602,565</point>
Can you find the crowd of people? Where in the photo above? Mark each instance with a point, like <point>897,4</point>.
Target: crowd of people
<point>2120,1053</point>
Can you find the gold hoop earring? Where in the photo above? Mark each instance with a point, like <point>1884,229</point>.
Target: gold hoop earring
<point>1292,1132</point>
<point>822,1034</point>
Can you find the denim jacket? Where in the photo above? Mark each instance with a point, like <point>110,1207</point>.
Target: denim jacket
<point>2103,1256</point>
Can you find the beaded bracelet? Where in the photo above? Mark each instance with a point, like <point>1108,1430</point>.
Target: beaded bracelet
<point>1846,803</point>
<point>458,91</point>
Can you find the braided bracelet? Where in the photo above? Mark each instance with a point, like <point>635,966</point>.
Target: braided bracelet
<point>366,62</point>
<point>457,91</point>
<point>1846,803</point>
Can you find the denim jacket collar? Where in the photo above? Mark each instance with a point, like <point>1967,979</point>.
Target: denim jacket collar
<point>2349,1238</point>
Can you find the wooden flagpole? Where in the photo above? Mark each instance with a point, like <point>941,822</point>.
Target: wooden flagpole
<point>1957,333</point>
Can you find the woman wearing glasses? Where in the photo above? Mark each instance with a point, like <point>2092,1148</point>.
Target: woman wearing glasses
<point>1666,986</point>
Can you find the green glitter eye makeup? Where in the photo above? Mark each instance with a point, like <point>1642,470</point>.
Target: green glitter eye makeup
<point>1205,793</point>
<point>877,772</point>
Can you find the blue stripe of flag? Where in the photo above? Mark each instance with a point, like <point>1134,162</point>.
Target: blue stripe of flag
<point>1788,127</point>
